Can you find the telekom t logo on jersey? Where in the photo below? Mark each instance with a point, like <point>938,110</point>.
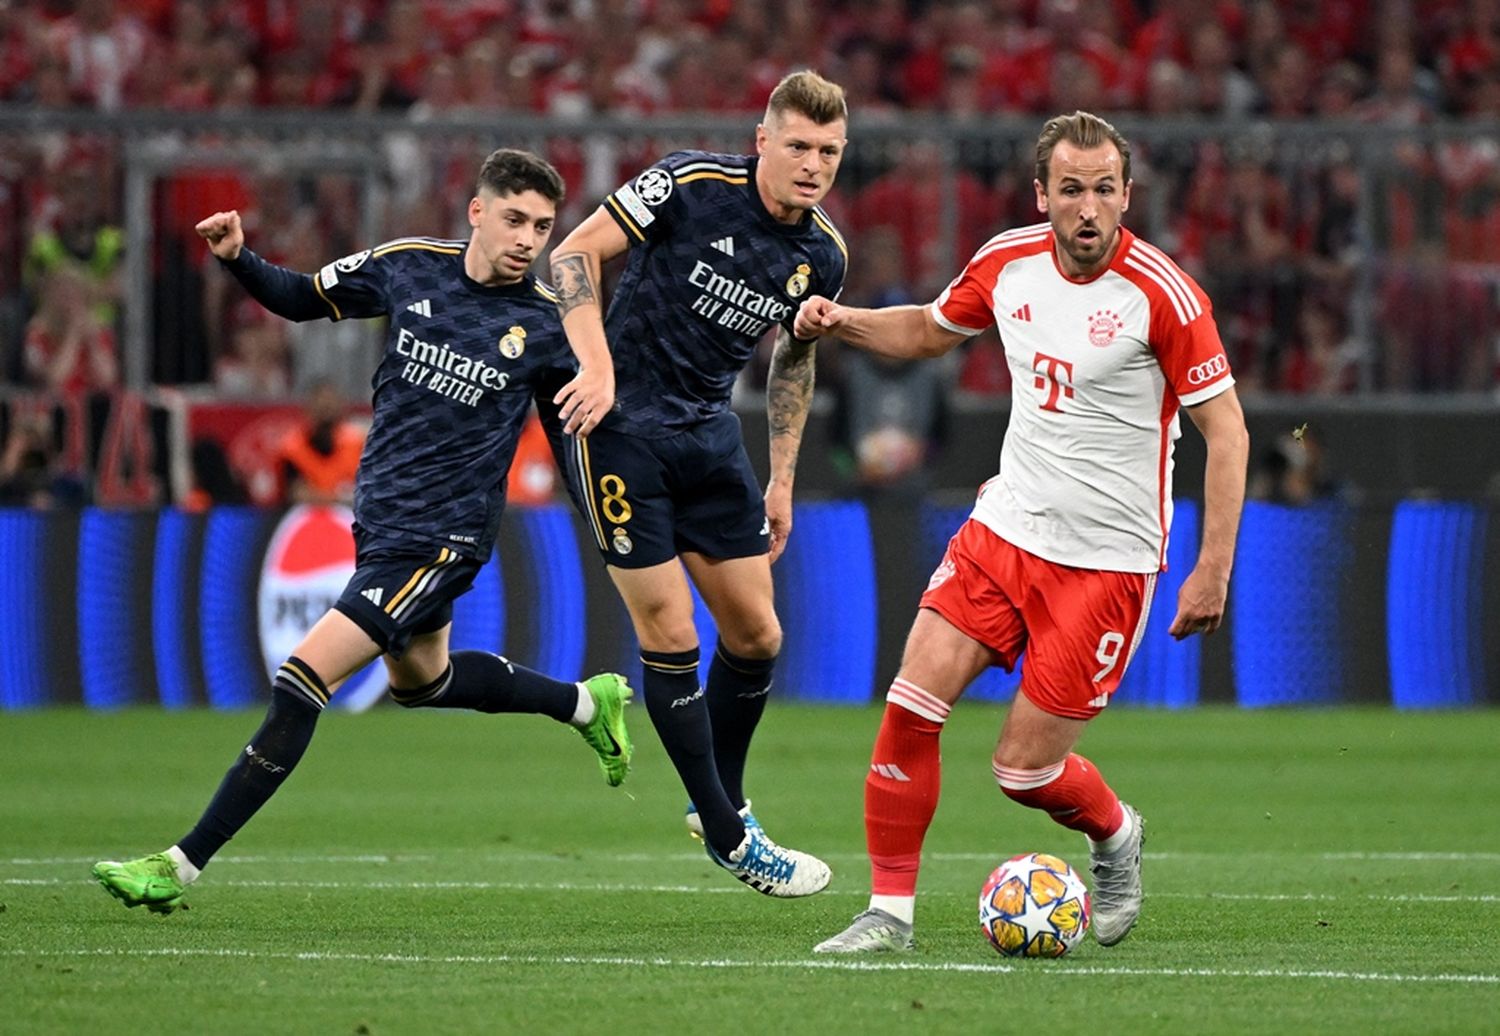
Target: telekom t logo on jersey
<point>1056,376</point>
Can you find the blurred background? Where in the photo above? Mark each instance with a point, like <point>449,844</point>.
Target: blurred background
<point>1329,170</point>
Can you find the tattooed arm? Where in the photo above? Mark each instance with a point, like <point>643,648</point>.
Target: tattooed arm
<point>576,265</point>
<point>789,392</point>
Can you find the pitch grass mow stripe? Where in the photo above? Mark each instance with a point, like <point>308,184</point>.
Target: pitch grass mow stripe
<point>1061,968</point>
<point>938,857</point>
<point>570,886</point>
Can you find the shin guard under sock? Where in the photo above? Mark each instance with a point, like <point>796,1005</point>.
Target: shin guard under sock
<point>1072,792</point>
<point>737,691</point>
<point>902,787</point>
<point>675,702</point>
<point>297,699</point>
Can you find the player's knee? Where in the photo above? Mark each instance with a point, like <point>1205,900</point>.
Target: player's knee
<point>665,630</point>
<point>760,640</point>
<point>425,694</point>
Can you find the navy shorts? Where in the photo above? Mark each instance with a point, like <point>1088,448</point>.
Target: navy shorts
<point>402,590</point>
<point>648,500</point>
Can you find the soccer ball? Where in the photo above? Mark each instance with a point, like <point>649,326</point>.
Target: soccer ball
<point>1034,905</point>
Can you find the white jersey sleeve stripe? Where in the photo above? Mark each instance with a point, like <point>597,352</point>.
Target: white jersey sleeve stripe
<point>958,329</point>
<point>1170,276</point>
<point>1006,236</point>
<point>1153,257</point>
<point>998,243</point>
<point>1026,231</point>
<point>710,167</point>
<point>1164,261</point>
<point>1184,292</point>
<point>1171,294</point>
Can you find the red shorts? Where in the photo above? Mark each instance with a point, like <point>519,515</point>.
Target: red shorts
<point>1079,627</point>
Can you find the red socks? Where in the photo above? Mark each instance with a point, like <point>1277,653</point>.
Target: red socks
<point>1072,792</point>
<point>901,789</point>
<point>905,778</point>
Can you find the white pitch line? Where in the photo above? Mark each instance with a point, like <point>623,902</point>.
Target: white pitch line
<point>1439,857</point>
<point>521,856</point>
<point>1056,968</point>
<point>48,861</point>
<point>735,890</point>
<point>503,886</point>
<point>1325,897</point>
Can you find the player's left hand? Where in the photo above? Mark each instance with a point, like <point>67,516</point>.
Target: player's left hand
<point>1200,603</point>
<point>778,516</point>
<point>586,400</point>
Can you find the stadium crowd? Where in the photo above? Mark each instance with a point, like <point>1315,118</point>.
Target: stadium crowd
<point>1282,249</point>
<point>1373,59</point>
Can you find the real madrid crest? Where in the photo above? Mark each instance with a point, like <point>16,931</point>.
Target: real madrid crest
<point>623,545</point>
<point>514,343</point>
<point>798,283</point>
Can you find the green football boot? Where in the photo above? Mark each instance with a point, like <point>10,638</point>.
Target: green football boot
<point>151,882</point>
<point>606,733</point>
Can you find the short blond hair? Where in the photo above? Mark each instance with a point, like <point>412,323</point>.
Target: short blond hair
<point>809,94</point>
<point>1081,129</point>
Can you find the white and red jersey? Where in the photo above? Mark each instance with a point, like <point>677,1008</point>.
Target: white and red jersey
<point>1099,368</point>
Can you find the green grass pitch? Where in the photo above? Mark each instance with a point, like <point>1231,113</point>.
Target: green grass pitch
<point>1306,871</point>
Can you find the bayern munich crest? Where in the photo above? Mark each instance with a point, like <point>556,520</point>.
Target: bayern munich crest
<point>1103,326</point>
<point>942,573</point>
<point>798,283</point>
<point>514,343</point>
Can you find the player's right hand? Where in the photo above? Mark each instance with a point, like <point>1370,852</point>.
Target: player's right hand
<point>224,234</point>
<point>585,400</point>
<point>816,317</point>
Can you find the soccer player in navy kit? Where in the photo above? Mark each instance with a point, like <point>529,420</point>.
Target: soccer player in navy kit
<point>721,250</point>
<point>473,338</point>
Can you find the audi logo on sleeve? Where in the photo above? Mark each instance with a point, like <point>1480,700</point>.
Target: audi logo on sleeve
<point>1208,370</point>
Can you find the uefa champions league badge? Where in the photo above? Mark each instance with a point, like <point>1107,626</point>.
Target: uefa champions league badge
<point>798,283</point>
<point>514,343</point>
<point>623,545</point>
<point>1103,326</point>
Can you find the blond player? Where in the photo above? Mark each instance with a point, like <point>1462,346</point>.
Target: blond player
<point>1106,338</point>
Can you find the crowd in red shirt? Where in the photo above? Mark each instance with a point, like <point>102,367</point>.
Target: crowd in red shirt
<point>991,56</point>
<point>1278,247</point>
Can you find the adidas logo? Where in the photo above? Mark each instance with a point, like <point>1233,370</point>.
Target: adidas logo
<point>421,309</point>
<point>725,245</point>
<point>374,595</point>
<point>1024,313</point>
<point>890,770</point>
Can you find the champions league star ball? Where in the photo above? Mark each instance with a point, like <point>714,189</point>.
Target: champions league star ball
<point>1034,905</point>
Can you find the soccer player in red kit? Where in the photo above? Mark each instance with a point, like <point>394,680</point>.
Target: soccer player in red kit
<point>1106,338</point>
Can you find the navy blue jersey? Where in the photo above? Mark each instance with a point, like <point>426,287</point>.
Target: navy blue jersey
<point>708,273</point>
<point>462,363</point>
